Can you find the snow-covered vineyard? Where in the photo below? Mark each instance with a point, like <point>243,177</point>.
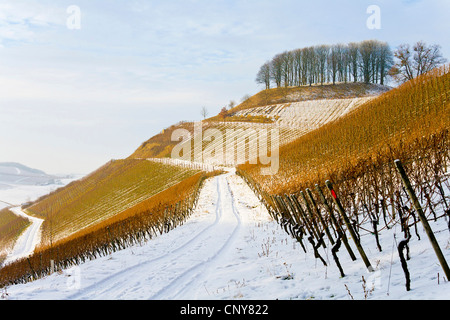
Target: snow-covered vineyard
<point>309,115</point>
<point>224,140</point>
<point>232,249</point>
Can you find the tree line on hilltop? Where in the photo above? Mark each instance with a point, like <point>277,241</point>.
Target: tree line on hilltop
<point>369,61</point>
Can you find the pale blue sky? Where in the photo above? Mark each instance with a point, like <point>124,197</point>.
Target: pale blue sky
<point>70,100</point>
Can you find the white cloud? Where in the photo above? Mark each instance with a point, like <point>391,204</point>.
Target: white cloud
<point>21,20</point>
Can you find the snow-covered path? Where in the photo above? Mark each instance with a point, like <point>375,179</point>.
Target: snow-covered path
<point>230,249</point>
<point>29,239</point>
<point>170,275</point>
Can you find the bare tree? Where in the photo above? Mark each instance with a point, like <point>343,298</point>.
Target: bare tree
<point>413,63</point>
<point>289,61</point>
<point>426,58</point>
<point>204,112</point>
<point>276,70</point>
<point>367,61</point>
<point>367,49</point>
<point>283,69</point>
<point>305,65</point>
<point>298,66</point>
<point>386,61</point>
<point>341,62</point>
<point>402,71</point>
<point>333,60</point>
<point>311,65</point>
<point>322,55</point>
<point>223,113</point>
<point>263,76</point>
<point>354,57</point>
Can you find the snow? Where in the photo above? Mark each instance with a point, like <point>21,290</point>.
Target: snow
<point>13,197</point>
<point>231,250</point>
<point>29,239</point>
<point>307,115</point>
<point>17,194</point>
<point>186,164</point>
<point>18,174</point>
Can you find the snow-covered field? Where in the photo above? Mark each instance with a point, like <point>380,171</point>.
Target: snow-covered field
<point>17,194</point>
<point>231,250</point>
<point>307,115</point>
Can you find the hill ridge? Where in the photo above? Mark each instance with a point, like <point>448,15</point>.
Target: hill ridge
<point>253,111</point>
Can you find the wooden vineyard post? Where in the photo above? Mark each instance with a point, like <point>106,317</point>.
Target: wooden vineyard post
<point>291,207</point>
<point>314,226</point>
<point>270,206</point>
<point>35,275</point>
<point>349,226</point>
<point>325,227</point>
<point>283,210</point>
<point>277,210</point>
<point>338,227</point>
<point>302,214</point>
<point>423,218</point>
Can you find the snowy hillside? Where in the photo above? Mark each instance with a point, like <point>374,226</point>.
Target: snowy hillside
<point>231,249</point>
<point>307,115</point>
<point>13,197</point>
<point>289,121</point>
<point>303,112</point>
<point>18,174</point>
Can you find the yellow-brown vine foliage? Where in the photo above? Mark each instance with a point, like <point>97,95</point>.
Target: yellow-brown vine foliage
<point>134,225</point>
<point>148,212</point>
<point>11,226</point>
<point>118,185</point>
<point>393,121</point>
<point>161,145</point>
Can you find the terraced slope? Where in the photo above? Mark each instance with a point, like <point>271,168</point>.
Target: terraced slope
<point>115,187</point>
<point>230,143</point>
<point>294,111</point>
<point>122,184</point>
<point>398,124</point>
<point>307,93</point>
<point>307,115</point>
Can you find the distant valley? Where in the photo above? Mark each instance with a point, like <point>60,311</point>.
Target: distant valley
<point>13,174</point>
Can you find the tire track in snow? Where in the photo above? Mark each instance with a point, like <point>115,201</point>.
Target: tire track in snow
<point>183,282</point>
<point>123,276</point>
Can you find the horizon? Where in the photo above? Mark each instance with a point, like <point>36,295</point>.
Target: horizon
<point>78,89</point>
